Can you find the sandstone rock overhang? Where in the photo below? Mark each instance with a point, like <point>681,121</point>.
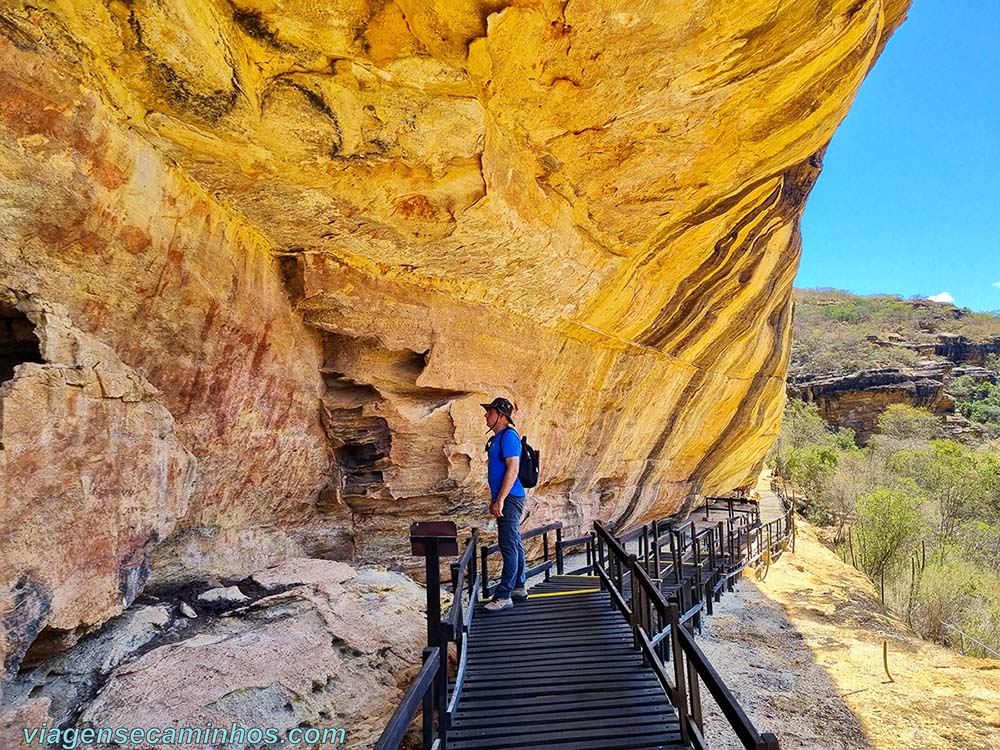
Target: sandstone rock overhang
<point>324,231</point>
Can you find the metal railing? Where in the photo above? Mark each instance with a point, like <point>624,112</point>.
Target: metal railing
<point>429,690</point>
<point>661,637</point>
<point>714,555</point>
<point>464,576</point>
<point>965,639</point>
<point>563,545</point>
<point>420,695</point>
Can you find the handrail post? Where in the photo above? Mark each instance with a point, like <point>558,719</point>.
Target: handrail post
<point>633,619</point>
<point>675,555</point>
<point>474,565</point>
<point>619,573</point>
<point>635,603</point>
<point>545,552</point>
<point>700,592</point>
<point>680,699</point>
<point>433,576</point>
<point>485,570</point>
<point>656,548</point>
<point>430,540</point>
<point>694,694</point>
<point>456,603</point>
<point>600,555</point>
<point>710,593</point>
<point>428,708</point>
<point>559,551</point>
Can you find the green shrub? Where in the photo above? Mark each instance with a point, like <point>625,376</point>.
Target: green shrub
<point>887,527</point>
<point>905,422</point>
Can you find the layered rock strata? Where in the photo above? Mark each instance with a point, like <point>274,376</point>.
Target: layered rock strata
<point>324,233</point>
<point>963,351</point>
<point>857,400</point>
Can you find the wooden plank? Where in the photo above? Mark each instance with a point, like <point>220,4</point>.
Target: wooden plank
<point>560,670</point>
<point>613,736</point>
<point>558,697</point>
<point>638,707</point>
<point>645,724</point>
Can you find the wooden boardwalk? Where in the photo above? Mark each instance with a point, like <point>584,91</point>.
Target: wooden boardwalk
<point>560,671</point>
<point>600,658</point>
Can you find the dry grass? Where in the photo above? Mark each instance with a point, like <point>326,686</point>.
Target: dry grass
<point>802,649</point>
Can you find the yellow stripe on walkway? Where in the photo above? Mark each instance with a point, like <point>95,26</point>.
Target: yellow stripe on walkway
<point>564,593</point>
<point>553,593</point>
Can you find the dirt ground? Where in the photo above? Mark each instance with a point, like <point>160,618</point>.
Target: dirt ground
<point>802,651</point>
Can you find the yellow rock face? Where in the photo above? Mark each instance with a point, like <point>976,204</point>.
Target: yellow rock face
<point>325,231</point>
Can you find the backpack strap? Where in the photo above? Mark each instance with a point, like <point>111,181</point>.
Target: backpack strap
<point>500,435</point>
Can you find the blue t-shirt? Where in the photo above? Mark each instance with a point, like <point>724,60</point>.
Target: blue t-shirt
<point>497,466</point>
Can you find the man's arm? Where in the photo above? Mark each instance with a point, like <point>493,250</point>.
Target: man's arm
<point>509,477</point>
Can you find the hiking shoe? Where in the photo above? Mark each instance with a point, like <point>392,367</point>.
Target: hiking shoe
<point>498,605</point>
<point>519,595</point>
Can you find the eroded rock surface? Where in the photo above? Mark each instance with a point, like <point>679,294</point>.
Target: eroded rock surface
<point>92,476</point>
<point>333,652</point>
<point>324,232</point>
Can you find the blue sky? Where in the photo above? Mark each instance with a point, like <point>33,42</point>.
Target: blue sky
<point>909,198</point>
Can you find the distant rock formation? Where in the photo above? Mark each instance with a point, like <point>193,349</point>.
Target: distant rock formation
<point>857,400</point>
<point>960,350</point>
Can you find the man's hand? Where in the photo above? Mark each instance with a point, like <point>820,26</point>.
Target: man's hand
<point>496,509</point>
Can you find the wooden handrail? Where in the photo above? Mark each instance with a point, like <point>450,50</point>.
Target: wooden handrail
<point>463,656</point>
<point>646,597</point>
<point>420,692</point>
<point>465,567</point>
<point>657,625</point>
<point>734,713</point>
<point>544,567</point>
<point>530,534</point>
<point>574,542</point>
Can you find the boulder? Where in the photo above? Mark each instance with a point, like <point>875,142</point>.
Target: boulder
<point>223,596</point>
<point>66,681</point>
<point>325,654</point>
<point>93,477</point>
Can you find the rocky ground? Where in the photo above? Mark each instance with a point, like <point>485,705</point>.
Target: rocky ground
<point>802,651</point>
<point>308,643</point>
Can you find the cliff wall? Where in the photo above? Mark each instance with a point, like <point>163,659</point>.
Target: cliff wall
<point>323,233</point>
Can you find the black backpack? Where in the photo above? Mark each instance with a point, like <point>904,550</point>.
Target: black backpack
<point>528,471</point>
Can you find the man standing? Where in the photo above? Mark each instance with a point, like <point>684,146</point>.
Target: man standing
<point>507,504</point>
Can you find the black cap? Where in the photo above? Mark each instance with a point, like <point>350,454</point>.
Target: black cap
<point>503,406</point>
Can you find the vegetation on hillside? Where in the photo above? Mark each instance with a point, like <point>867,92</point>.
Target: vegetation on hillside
<point>919,514</point>
<point>837,332</point>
